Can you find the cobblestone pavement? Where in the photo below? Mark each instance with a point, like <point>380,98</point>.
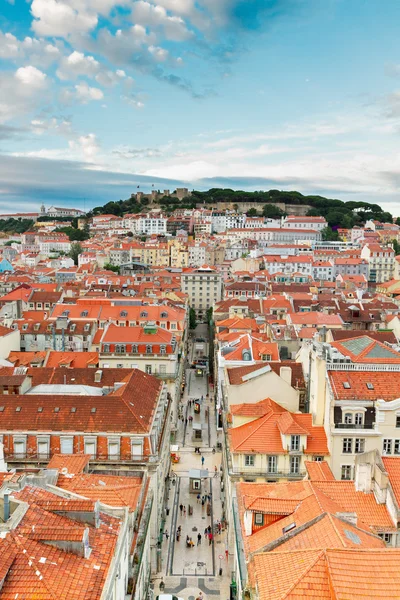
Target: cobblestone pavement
<point>187,571</point>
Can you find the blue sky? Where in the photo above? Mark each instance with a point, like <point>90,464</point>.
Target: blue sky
<point>99,96</point>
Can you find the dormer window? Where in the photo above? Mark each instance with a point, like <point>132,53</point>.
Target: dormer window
<point>348,418</point>
<point>134,348</point>
<point>294,442</point>
<point>120,348</point>
<point>149,349</point>
<point>143,314</point>
<point>123,313</point>
<point>65,313</point>
<point>164,315</point>
<point>163,349</point>
<point>106,348</point>
<point>87,327</point>
<point>84,313</point>
<point>24,327</point>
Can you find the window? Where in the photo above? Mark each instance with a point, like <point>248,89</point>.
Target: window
<point>123,313</point>
<point>318,458</point>
<point>67,445</point>
<point>143,314</point>
<point>346,385</point>
<point>43,448</point>
<point>19,448</point>
<point>397,446</point>
<point>106,348</point>
<point>149,349</point>
<point>163,349</point>
<point>359,445</point>
<point>84,313</point>
<point>387,537</point>
<point>120,348</point>
<point>148,369</point>
<point>259,519</point>
<point>358,418</point>
<point>347,445</point>
<point>294,442</point>
<point>294,465</point>
<point>397,420</point>
<point>249,460</point>
<point>346,472</point>
<point>348,418</point>
<point>387,446</point>
<point>163,370</point>
<point>90,447</point>
<point>136,448</point>
<point>272,464</point>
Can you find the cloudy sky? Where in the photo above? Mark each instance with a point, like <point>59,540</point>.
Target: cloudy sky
<point>100,96</point>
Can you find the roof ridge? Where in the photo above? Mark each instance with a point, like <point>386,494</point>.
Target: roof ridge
<point>331,519</point>
<point>321,553</point>
<point>265,417</point>
<point>31,563</point>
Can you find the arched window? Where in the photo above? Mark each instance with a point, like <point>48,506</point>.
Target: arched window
<point>84,313</point>
<point>143,314</point>
<point>123,313</point>
<point>164,315</point>
<point>348,418</point>
<point>149,349</point>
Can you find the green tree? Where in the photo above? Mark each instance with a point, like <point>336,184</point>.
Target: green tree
<point>396,247</point>
<point>270,211</point>
<point>329,235</point>
<point>252,212</point>
<point>75,251</point>
<point>192,319</point>
<point>110,267</point>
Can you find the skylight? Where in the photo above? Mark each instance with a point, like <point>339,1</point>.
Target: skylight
<point>370,386</point>
<point>346,385</point>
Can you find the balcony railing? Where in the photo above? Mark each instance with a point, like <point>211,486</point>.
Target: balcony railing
<point>243,471</point>
<point>354,426</point>
<point>98,458</point>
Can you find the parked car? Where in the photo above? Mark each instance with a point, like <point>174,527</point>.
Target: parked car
<point>168,597</point>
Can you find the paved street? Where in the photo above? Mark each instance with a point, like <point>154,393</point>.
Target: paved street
<point>188,570</point>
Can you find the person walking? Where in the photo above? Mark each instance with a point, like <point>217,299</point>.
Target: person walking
<point>198,538</point>
<point>184,511</point>
<point>210,539</point>
<point>166,534</point>
<point>198,498</point>
<point>181,508</point>
<point>202,461</point>
<point>215,471</point>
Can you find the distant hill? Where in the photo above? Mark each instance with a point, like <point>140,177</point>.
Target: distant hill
<point>336,212</point>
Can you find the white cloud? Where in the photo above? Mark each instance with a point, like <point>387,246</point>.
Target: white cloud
<point>87,144</point>
<point>85,93</point>
<point>159,54</point>
<point>61,18</point>
<point>150,15</point>
<point>77,64</point>
<point>133,100</point>
<point>21,92</point>
<point>31,76</point>
<point>35,51</point>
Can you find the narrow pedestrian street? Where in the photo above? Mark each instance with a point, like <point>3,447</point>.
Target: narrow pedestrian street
<point>192,560</point>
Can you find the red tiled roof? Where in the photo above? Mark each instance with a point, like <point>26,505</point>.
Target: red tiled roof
<point>319,471</point>
<point>386,385</point>
<point>69,463</point>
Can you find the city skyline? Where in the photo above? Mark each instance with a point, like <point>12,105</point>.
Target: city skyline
<point>98,98</point>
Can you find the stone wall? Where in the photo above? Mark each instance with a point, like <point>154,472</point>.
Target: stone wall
<point>298,210</point>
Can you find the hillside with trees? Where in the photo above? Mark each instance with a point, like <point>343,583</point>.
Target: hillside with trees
<point>338,214</point>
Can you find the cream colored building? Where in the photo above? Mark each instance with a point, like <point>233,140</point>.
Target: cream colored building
<point>204,288</point>
<point>178,253</point>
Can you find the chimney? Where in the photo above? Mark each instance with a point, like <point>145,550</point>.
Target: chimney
<point>248,522</point>
<point>285,373</point>
<point>350,517</point>
<point>98,375</point>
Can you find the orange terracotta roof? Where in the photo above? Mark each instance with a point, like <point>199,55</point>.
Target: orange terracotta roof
<point>69,463</point>
<point>318,471</point>
<point>332,574</point>
<point>263,435</point>
<point>385,386</point>
<point>392,466</point>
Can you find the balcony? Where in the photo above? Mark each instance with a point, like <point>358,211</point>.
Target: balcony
<point>95,459</point>
<point>253,471</point>
<point>355,426</point>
